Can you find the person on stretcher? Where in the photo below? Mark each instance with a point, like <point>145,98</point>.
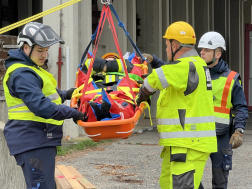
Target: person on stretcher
<point>108,94</point>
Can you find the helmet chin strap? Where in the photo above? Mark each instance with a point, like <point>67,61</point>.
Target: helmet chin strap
<point>173,53</point>
<point>214,59</point>
<point>31,51</point>
<point>46,60</point>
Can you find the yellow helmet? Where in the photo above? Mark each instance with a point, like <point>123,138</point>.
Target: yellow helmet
<point>182,32</point>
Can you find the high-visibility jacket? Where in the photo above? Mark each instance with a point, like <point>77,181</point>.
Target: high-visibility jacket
<point>185,115</point>
<point>222,93</point>
<point>17,110</point>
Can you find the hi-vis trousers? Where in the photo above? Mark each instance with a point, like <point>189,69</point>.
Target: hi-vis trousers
<point>182,168</point>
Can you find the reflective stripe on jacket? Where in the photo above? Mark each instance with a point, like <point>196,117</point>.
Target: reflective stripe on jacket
<point>17,110</point>
<point>222,93</point>
<point>185,105</point>
<point>112,79</point>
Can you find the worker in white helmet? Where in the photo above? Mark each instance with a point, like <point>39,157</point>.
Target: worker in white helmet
<point>228,95</point>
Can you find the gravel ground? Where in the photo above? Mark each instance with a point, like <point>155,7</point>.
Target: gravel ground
<point>136,163</point>
<point>241,175</point>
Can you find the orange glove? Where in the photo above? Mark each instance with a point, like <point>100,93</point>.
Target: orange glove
<point>236,140</point>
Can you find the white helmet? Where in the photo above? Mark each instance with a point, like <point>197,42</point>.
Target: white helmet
<point>212,40</point>
<point>35,33</point>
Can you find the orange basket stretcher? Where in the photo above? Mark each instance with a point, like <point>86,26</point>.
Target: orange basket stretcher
<point>109,129</point>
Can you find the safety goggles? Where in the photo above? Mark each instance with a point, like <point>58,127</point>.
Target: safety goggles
<point>46,37</point>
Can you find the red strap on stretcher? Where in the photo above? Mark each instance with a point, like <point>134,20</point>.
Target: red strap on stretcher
<point>223,108</point>
<point>111,22</point>
<point>107,14</point>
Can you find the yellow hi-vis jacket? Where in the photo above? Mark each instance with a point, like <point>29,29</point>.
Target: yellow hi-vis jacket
<point>222,92</point>
<point>185,115</point>
<point>17,110</point>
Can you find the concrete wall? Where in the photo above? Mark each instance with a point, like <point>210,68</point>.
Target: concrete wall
<point>131,23</point>
<point>11,175</point>
<point>226,17</point>
<point>27,8</point>
<point>247,11</point>
<point>201,19</point>
<point>152,27</point>
<point>3,111</point>
<point>126,11</point>
<point>234,8</point>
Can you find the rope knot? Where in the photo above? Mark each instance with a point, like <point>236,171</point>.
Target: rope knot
<point>93,36</point>
<point>121,24</point>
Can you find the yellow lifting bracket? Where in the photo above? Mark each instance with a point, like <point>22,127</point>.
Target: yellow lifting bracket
<point>37,16</point>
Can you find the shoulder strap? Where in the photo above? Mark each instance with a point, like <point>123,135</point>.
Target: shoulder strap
<point>227,88</point>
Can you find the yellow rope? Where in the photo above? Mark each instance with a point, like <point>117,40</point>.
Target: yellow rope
<point>147,106</point>
<point>142,66</point>
<point>37,16</point>
<point>77,93</point>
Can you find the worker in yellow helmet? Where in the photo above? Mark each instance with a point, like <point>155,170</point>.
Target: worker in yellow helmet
<point>185,112</point>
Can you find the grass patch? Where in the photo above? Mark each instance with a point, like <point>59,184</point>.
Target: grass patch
<point>64,150</point>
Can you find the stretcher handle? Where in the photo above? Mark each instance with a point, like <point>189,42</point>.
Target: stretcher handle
<point>111,55</point>
<point>114,122</point>
<point>145,69</point>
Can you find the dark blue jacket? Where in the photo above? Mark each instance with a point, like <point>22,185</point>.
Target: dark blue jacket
<point>25,84</point>
<point>238,98</point>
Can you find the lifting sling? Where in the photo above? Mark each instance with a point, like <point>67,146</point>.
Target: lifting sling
<point>108,129</point>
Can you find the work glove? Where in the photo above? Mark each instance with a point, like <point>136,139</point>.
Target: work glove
<point>236,140</point>
<point>148,57</point>
<point>139,101</point>
<point>145,75</point>
<point>69,93</point>
<point>144,95</point>
<point>81,116</point>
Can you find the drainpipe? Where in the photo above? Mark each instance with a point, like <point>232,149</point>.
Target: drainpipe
<point>68,71</point>
<point>59,63</point>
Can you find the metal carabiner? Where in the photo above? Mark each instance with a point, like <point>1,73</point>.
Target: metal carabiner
<point>106,2</point>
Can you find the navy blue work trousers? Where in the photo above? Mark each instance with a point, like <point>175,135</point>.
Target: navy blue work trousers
<point>221,162</point>
<point>38,167</point>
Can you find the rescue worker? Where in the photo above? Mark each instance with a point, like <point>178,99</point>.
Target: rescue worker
<point>184,116</point>
<point>227,94</point>
<point>35,108</point>
<point>113,102</point>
